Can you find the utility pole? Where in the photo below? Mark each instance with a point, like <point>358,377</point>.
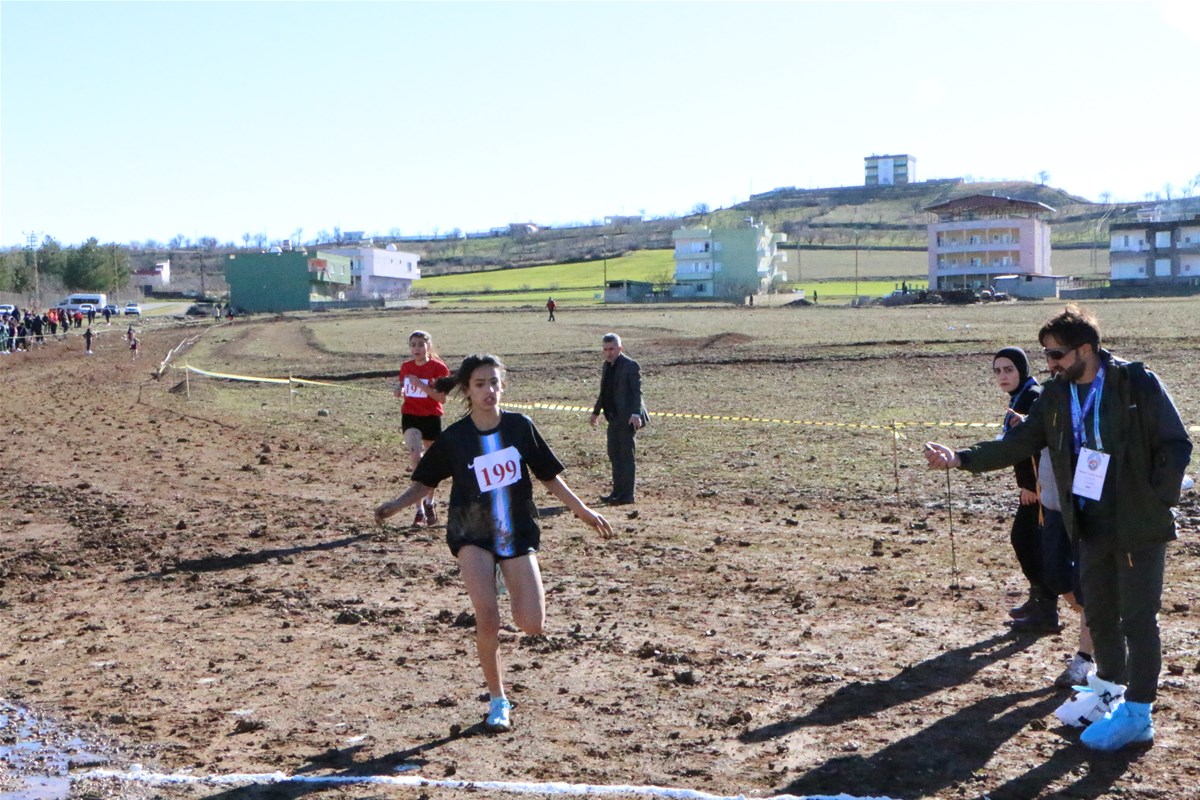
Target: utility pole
<point>203,294</point>
<point>37,293</point>
<point>604,288</point>
<point>854,303</point>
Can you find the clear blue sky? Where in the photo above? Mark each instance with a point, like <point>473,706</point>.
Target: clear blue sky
<point>143,120</point>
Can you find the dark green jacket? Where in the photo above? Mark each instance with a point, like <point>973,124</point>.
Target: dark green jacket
<point>1139,427</point>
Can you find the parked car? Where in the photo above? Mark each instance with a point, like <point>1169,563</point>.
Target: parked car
<point>86,308</point>
<point>133,309</point>
<point>113,310</point>
<point>5,308</point>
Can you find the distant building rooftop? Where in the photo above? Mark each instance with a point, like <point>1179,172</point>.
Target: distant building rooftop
<point>989,204</point>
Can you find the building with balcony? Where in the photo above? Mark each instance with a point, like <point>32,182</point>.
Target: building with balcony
<point>890,170</point>
<point>380,272</point>
<point>727,262</point>
<point>979,237</point>
<point>1154,252</point>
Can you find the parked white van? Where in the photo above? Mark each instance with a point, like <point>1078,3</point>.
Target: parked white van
<point>72,302</point>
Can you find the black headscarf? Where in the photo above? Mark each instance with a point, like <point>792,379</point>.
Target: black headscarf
<point>1017,356</point>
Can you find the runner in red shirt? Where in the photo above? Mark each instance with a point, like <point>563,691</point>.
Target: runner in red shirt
<point>421,412</point>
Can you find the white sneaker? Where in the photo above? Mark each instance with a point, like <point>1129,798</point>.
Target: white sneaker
<point>501,586</point>
<point>498,718</point>
<point>1091,703</point>
<point>1076,673</point>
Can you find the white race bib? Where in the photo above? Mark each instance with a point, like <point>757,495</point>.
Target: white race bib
<point>496,470</point>
<point>1089,473</point>
<point>411,392</point>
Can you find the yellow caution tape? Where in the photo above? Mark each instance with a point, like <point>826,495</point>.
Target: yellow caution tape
<point>892,426</point>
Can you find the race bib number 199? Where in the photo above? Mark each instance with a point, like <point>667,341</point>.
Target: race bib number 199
<point>498,469</point>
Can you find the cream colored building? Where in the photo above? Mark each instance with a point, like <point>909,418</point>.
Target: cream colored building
<point>979,237</point>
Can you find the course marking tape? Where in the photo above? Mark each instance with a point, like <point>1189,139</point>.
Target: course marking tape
<point>764,420</point>
<point>254,378</point>
<point>548,788</point>
<point>892,426</point>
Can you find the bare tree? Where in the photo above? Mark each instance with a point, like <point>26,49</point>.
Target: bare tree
<point>260,239</point>
<point>246,240</point>
<point>1043,177</point>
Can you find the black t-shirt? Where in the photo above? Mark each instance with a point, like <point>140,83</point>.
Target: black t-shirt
<point>491,497</point>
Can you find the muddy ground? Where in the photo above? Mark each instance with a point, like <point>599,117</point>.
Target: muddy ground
<point>193,590</point>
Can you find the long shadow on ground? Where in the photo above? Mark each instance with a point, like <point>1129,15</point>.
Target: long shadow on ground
<point>855,700</point>
<point>220,563</point>
<point>952,751</point>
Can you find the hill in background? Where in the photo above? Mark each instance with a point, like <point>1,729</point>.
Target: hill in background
<point>878,217</point>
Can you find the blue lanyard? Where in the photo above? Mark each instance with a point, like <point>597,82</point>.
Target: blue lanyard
<point>1079,413</point>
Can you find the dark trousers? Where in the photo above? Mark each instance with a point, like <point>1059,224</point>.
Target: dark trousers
<point>1026,540</point>
<point>1123,594</point>
<point>621,448</point>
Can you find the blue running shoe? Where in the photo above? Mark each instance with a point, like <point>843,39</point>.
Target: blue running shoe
<point>1129,723</point>
<point>499,719</point>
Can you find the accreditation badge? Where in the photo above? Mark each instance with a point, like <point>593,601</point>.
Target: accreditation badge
<point>1089,473</point>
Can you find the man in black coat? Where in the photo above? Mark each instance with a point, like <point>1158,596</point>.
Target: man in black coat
<point>620,402</point>
<point>1119,451</point>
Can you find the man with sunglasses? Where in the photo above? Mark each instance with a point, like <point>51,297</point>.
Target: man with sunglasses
<point>1118,450</point>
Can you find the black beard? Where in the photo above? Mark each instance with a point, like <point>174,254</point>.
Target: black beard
<point>1074,372</point>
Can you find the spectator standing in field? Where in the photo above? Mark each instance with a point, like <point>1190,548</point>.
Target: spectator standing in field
<point>491,525</point>
<point>620,402</point>
<point>135,345</point>
<point>550,306</point>
<point>1060,573</point>
<point>87,340</point>
<point>1010,367</point>
<point>1118,451</point>
<point>421,411</point>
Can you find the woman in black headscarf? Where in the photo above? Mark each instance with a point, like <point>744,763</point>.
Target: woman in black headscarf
<point>1039,613</point>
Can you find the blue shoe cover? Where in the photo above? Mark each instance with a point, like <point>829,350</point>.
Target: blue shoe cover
<point>1129,723</point>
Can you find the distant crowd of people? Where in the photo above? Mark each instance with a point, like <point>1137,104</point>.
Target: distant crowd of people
<point>23,329</point>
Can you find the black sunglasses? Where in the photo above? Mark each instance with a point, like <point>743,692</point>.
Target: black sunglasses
<point>1057,353</point>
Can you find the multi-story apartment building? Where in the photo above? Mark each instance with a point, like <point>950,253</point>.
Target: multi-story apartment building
<point>890,170</point>
<point>376,272</point>
<point>1150,252</point>
<point>727,262</point>
<point>979,237</point>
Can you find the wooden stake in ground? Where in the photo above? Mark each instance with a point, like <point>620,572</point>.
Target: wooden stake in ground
<point>950,524</point>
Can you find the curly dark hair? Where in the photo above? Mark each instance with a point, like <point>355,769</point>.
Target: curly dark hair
<point>1072,327</point>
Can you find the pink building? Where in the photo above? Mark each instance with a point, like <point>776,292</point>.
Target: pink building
<point>979,237</point>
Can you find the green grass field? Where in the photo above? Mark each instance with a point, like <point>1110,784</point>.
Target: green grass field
<point>830,273</point>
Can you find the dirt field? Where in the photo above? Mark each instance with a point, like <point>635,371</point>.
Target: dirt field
<point>194,583</point>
